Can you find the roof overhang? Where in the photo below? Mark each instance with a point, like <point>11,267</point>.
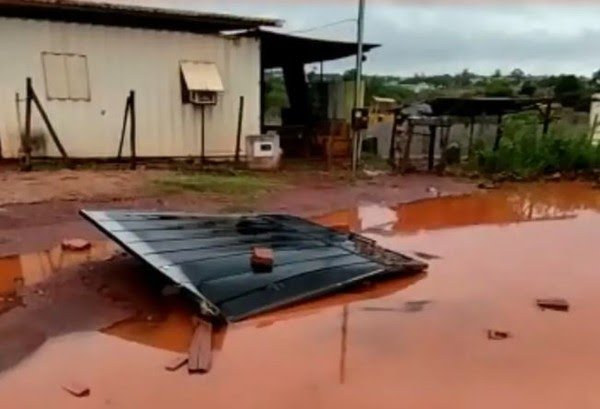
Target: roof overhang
<point>121,15</point>
<point>468,107</point>
<point>279,49</point>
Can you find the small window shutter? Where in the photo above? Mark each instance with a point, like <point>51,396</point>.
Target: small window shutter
<point>77,73</point>
<point>55,74</point>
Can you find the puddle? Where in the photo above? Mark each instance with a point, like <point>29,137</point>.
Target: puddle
<point>415,342</point>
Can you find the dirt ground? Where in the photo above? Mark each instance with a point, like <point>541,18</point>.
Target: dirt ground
<point>39,209</point>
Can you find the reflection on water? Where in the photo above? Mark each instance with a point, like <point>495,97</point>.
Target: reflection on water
<point>512,204</point>
<point>30,269</point>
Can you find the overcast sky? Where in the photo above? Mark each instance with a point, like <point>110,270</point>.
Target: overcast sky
<point>442,36</point>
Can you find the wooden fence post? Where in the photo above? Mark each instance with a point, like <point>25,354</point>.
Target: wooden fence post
<point>26,137</point>
<point>239,130</point>
<point>125,116</point>
<point>53,134</point>
<point>132,130</point>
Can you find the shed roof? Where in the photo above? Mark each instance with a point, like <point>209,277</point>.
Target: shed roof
<point>280,49</point>
<point>127,15</point>
<point>468,107</point>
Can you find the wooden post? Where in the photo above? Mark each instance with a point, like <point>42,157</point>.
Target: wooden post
<point>392,152</point>
<point>132,130</point>
<point>471,133</point>
<point>202,130</point>
<point>547,119</point>
<point>26,138</point>
<point>409,137</point>
<point>499,132</point>
<point>53,134</point>
<point>431,153</point>
<point>125,115</point>
<point>239,130</point>
<point>594,128</point>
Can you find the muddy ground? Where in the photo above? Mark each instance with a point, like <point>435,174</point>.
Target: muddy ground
<point>39,209</point>
<point>101,319</point>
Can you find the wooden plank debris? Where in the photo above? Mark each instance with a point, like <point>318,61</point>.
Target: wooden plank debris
<point>77,389</point>
<point>556,304</point>
<point>200,352</point>
<point>426,256</point>
<point>176,363</point>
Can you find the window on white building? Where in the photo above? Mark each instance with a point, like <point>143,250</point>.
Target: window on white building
<point>66,76</point>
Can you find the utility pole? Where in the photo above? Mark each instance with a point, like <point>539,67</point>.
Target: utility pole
<point>358,81</point>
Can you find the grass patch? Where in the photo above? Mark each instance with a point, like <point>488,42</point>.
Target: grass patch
<point>232,185</point>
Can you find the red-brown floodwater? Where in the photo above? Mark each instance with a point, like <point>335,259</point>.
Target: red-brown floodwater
<point>418,342</point>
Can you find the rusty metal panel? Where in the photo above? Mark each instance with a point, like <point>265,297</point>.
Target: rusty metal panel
<point>210,257</point>
<point>201,76</point>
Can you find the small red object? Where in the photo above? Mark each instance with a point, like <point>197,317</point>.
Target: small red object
<point>262,258</point>
<point>77,389</point>
<point>76,244</point>
<point>498,335</point>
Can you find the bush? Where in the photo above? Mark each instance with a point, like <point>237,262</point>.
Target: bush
<point>525,153</point>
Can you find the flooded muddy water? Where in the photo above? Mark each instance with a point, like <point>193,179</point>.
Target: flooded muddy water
<point>419,342</point>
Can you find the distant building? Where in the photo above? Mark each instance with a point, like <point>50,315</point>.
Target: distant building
<point>85,57</point>
<point>416,88</point>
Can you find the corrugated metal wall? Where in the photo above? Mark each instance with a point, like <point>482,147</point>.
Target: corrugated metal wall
<point>120,59</point>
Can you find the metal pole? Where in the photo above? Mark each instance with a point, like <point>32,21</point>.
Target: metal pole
<point>358,80</point>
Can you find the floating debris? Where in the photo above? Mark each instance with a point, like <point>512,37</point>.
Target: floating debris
<point>415,306</point>
<point>176,363</point>
<point>77,389</point>
<point>75,244</point>
<point>211,257</point>
<point>498,335</point>
<point>555,304</point>
<point>426,256</point>
<point>200,353</point>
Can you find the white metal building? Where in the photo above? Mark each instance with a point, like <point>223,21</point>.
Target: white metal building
<point>84,58</point>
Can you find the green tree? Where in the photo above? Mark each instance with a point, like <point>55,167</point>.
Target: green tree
<point>517,74</point>
<point>497,73</point>
<point>528,88</point>
<point>569,90</point>
<point>596,80</point>
<point>498,87</point>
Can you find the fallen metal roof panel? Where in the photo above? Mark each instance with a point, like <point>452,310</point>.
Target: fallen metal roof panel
<point>210,257</point>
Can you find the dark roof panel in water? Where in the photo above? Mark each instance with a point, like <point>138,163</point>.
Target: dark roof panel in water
<point>210,257</point>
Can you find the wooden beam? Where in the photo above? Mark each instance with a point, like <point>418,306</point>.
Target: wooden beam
<point>547,119</point>
<point>431,153</point>
<point>499,132</point>
<point>26,137</point>
<point>132,131</point>
<point>46,120</point>
<point>471,134</point>
<point>200,353</point>
<point>202,136</point>
<point>125,116</point>
<point>239,130</point>
<point>409,138</point>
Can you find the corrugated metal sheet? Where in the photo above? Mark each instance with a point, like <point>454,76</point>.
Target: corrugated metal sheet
<point>119,60</point>
<point>201,76</point>
<point>210,256</point>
